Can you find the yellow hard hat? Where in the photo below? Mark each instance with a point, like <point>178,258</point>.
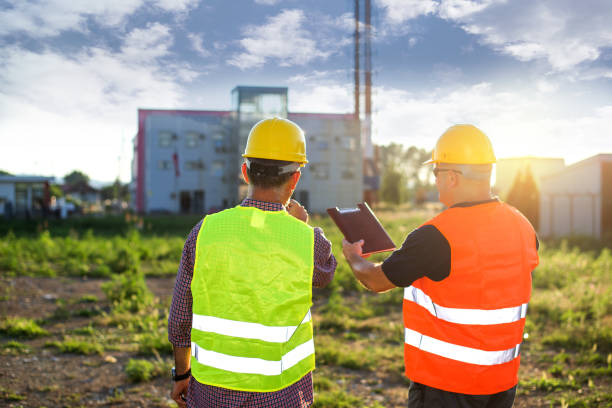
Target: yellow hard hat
<point>276,139</point>
<point>463,144</point>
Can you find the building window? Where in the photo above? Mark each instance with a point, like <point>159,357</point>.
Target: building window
<point>217,168</point>
<point>320,171</point>
<point>165,139</point>
<point>347,172</point>
<point>193,138</point>
<point>164,164</point>
<point>194,165</point>
<point>319,142</point>
<point>348,143</point>
<point>219,143</point>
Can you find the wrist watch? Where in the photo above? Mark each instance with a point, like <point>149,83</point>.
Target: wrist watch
<point>180,377</point>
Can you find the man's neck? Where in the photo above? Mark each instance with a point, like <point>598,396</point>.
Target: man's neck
<point>472,197</point>
<point>270,195</point>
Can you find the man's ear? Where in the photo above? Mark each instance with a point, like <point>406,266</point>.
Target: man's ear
<point>244,173</point>
<point>295,177</point>
<point>454,179</point>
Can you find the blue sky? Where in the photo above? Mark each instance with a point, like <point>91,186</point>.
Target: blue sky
<point>536,76</point>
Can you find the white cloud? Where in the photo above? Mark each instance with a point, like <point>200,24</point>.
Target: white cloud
<point>564,32</point>
<point>268,2</point>
<point>316,76</point>
<point>146,44</point>
<point>197,43</point>
<point>332,98</point>
<point>42,18</point>
<point>518,122</point>
<point>399,11</point>
<point>84,106</point>
<point>455,9</point>
<point>545,86</point>
<point>176,5</point>
<point>282,38</point>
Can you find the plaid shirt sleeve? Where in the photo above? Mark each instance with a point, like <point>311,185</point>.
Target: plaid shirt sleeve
<point>324,261</point>
<point>180,317</point>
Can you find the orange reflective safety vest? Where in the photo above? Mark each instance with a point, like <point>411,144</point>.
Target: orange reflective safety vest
<point>463,334</point>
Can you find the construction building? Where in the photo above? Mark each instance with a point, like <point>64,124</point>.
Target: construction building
<point>577,200</point>
<point>188,161</point>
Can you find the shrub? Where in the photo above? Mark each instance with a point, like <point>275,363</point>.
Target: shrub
<point>154,343</point>
<point>144,370</point>
<point>77,347</point>
<point>19,327</point>
<point>128,292</point>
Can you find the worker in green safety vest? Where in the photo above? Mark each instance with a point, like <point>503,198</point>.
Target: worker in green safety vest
<point>240,319</point>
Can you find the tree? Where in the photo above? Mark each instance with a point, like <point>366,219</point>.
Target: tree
<point>115,191</point>
<point>76,177</point>
<point>5,173</point>
<point>524,195</point>
<point>393,186</point>
<point>403,173</point>
<point>56,191</point>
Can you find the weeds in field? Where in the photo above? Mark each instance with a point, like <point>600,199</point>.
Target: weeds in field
<point>14,348</point>
<point>138,370</point>
<point>88,255</point>
<point>9,395</point>
<point>88,299</point>
<point>19,327</point>
<point>75,346</point>
<point>128,292</point>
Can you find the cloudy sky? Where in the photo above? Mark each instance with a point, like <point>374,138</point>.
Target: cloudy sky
<point>535,75</point>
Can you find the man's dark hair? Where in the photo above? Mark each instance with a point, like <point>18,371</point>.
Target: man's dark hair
<point>267,173</point>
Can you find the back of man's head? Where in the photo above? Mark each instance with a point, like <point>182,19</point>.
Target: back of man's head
<point>267,173</point>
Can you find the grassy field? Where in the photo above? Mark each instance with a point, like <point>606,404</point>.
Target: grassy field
<point>72,333</point>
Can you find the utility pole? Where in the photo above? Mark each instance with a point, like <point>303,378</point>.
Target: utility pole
<point>371,177</point>
<point>357,73</point>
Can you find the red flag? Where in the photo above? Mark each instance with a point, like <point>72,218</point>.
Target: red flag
<point>176,164</point>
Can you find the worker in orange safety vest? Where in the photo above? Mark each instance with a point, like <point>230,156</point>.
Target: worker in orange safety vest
<point>466,275</point>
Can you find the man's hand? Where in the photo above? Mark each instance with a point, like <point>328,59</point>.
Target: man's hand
<point>350,250</point>
<point>294,208</point>
<point>179,392</point>
<point>369,274</point>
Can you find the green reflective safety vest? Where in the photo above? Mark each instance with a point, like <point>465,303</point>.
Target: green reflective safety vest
<point>252,292</point>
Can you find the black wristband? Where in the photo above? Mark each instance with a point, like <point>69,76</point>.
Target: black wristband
<point>180,377</point>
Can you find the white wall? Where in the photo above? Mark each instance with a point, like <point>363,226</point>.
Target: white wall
<point>570,201</point>
<point>332,142</point>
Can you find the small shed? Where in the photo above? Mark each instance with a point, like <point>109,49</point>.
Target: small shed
<point>23,195</point>
<point>578,199</point>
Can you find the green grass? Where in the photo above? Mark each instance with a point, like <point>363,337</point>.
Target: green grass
<point>19,327</point>
<point>9,395</point>
<point>14,348</point>
<point>337,399</point>
<point>88,299</point>
<point>74,346</point>
<point>138,370</point>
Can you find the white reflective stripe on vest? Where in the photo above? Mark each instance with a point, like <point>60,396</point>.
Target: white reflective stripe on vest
<point>246,330</point>
<point>250,365</point>
<point>459,353</point>
<point>465,316</point>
